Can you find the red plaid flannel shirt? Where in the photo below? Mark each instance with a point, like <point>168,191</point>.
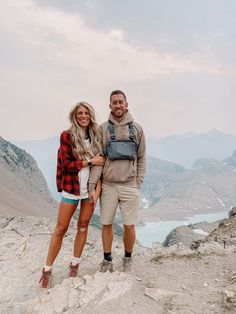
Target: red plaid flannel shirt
<point>67,167</point>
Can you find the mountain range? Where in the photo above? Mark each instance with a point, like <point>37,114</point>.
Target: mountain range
<point>182,149</point>
<point>170,187</point>
<point>171,191</point>
<point>186,148</point>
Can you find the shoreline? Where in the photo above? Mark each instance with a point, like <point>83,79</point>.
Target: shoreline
<point>156,215</point>
<point>157,231</point>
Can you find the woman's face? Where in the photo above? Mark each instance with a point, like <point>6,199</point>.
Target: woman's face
<point>82,116</point>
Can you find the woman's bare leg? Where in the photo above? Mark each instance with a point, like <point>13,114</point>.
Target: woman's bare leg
<point>66,211</point>
<point>86,212</point>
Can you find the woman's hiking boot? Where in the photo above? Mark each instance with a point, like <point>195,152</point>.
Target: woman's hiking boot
<point>46,279</point>
<point>73,270</point>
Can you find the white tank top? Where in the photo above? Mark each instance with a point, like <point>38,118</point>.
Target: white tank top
<point>83,175</point>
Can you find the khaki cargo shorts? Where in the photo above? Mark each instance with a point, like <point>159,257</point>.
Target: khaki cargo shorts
<point>127,197</point>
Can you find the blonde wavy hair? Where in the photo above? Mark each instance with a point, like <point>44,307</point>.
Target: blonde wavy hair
<point>79,148</point>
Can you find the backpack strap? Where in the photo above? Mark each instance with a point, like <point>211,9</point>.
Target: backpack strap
<point>131,131</point>
<point>112,131</point>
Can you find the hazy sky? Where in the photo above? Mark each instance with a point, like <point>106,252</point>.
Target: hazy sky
<point>175,59</point>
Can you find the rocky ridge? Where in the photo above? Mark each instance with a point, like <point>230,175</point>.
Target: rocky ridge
<point>23,189</point>
<point>187,234</point>
<point>171,191</point>
<point>186,148</point>
<point>191,235</point>
<point>165,280</point>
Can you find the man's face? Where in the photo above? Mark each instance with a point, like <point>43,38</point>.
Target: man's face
<point>118,105</point>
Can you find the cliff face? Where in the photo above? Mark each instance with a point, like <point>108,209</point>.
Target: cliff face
<point>23,189</point>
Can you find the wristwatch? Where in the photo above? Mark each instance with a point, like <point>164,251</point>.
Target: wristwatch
<point>90,163</point>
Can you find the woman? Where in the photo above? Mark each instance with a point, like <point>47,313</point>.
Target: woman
<point>79,151</point>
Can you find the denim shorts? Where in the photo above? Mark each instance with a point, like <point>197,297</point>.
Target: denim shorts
<point>73,199</point>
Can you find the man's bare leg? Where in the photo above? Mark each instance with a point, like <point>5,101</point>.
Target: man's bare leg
<point>129,237</point>
<point>107,238</point>
<point>129,240</point>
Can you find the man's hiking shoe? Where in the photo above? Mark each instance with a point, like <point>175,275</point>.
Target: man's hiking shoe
<point>106,266</point>
<point>46,279</point>
<point>127,265</point>
<point>73,270</point>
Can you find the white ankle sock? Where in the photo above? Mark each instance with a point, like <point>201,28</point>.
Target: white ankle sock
<point>75,260</point>
<point>47,268</point>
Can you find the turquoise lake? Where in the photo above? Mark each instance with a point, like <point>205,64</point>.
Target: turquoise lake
<point>157,231</point>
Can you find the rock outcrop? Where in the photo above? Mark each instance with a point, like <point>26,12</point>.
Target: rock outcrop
<point>232,212</point>
<point>23,189</point>
<point>188,234</point>
<point>223,231</point>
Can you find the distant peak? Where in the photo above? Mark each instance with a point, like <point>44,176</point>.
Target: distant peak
<point>189,134</point>
<point>214,131</point>
<point>217,132</point>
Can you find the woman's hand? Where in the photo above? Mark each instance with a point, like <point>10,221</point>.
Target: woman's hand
<point>93,198</point>
<point>98,160</point>
<point>95,194</point>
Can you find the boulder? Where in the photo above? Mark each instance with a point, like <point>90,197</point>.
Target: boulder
<point>232,212</point>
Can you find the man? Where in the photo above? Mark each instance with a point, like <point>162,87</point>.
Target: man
<point>123,142</point>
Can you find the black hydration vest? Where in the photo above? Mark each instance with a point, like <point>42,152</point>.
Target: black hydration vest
<point>121,149</point>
